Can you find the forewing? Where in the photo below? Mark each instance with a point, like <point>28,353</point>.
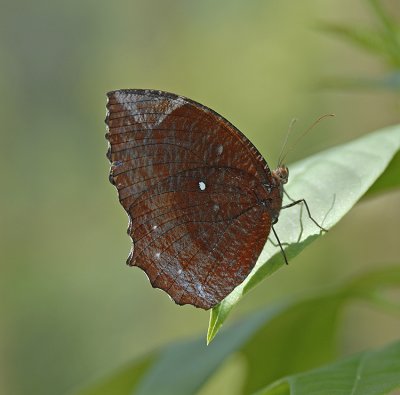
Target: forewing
<point>188,180</point>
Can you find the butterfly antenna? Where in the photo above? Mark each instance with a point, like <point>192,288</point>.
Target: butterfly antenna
<point>290,129</point>
<point>303,134</point>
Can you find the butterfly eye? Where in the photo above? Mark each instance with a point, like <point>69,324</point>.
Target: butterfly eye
<point>266,202</point>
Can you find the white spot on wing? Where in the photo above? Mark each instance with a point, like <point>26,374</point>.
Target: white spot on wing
<point>202,185</point>
<point>220,149</point>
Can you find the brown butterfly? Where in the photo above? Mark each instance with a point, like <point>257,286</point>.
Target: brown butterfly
<point>201,199</point>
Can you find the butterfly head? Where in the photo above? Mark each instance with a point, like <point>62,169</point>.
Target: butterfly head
<point>281,174</point>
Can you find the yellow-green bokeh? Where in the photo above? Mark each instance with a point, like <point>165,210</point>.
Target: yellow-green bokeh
<point>70,308</point>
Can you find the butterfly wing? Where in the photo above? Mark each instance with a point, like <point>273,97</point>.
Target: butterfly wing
<point>190,183</point>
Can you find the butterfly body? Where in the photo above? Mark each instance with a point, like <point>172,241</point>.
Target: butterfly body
<point>200,198</point>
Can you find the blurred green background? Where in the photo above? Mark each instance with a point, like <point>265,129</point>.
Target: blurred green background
<point>70,308</point>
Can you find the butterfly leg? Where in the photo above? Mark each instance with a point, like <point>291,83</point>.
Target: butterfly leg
<point>301,216</point>
<point>302,201</point>
<point>280,246</point>
<point>276,244</point>
<point>287,195</point>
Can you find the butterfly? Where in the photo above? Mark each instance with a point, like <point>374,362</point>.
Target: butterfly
<point>200,198</point>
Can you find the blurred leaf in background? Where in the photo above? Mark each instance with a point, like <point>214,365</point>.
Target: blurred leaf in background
<point>381,41</point>
<point>356,375</point>
<point>70,308</point>
<point>284,339</point>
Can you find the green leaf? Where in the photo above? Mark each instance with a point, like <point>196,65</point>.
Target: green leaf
<point>368,373</point>
<point>390,81</point>
<point>184,367</point>
<point>383,41</point>
<point>122,382</point>
<point>386,20</point>
<point>389,180</point>
<point>390,33</point>
<point>289,338</point>
<point>301,337</point>
<point>332,182</point>
<point>364,38</point>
